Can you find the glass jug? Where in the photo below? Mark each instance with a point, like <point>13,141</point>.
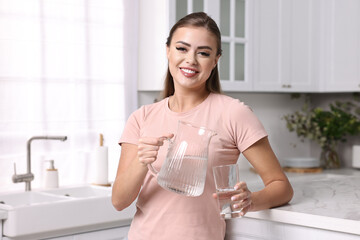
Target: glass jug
<point>184,169</point>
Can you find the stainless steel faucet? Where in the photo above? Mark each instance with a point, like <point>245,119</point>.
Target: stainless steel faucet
<point>29,176</point>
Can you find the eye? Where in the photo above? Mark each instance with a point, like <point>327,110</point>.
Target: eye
<point>205,54</point>
<point>181,49</point>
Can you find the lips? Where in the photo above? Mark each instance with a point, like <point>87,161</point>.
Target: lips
<point>188,72</point>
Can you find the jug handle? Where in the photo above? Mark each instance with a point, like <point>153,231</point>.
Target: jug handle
<point>152,170</point>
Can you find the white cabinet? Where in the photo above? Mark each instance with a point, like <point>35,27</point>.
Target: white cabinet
<point>118,233</point>
<point>106,234</point>
<point>234,18</point>
<point>268,45</point>
<point>342,46</point>
<point>286,48</point>
<point>306,45</point>
<point>251,229</point>
<point>153,31</point>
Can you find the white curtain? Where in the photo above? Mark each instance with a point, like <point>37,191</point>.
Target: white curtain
<point>67,67</point>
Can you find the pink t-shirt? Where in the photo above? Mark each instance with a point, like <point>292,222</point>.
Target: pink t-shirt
<point>164,215</point>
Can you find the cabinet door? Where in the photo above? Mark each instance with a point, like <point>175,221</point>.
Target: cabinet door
<point>342,53</point>
<point>153,31</point>
<point>105,234</point>
<point>286,45</point>
<point>234,20</point>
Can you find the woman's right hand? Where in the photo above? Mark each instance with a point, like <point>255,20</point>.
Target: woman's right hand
<point>149,146</point>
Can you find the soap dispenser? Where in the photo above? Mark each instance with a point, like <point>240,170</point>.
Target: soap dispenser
<point>51,176</point>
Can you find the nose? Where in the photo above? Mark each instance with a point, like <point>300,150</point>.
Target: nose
<point>191,58</point>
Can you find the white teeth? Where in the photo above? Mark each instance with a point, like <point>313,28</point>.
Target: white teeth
<point>188,70</point>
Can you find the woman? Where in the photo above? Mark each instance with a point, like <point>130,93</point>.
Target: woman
<point>192,93</point>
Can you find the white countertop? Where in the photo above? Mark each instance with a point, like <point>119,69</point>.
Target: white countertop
<point>328,200</point>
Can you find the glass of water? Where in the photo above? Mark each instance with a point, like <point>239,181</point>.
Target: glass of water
<point>226,177</point>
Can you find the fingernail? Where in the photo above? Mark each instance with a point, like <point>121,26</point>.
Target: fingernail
<point>236,205</point>
<point>233,198</point>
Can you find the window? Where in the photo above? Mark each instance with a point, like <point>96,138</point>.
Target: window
<point>61,73</point>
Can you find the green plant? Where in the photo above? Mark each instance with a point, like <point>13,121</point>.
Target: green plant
<point>326,127</point>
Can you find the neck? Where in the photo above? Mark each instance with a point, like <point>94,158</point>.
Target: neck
<point>183,102</point>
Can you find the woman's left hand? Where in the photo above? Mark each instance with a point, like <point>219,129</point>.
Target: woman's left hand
<point>242,199</point>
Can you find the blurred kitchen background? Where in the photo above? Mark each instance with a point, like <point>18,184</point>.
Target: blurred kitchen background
<point>79,68</point>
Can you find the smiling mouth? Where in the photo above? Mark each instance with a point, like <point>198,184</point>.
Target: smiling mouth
<point>188,72</point>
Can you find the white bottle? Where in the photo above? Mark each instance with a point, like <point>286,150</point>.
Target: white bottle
<point>51,176</point>
<point>101,164</point>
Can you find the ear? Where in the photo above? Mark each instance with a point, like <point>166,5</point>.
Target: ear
<point>216,60</point>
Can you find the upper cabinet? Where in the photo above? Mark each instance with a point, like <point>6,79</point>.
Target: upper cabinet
<point>286,45</point>
<point>306,45</point>
<point>341,46</point>
<point>154,27</point>
<point>234,20</point>
<point>268,45</point>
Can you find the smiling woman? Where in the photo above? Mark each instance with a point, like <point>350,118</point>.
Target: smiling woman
<point>62,72</point>
<point>192,94</point>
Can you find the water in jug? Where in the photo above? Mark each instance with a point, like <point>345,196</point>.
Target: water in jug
<point>184,169</point>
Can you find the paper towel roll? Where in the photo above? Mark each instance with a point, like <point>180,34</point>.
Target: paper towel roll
<point>101,166</point>
<point>356,156</point>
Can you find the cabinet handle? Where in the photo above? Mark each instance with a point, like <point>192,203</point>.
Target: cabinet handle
<point>286,86</point>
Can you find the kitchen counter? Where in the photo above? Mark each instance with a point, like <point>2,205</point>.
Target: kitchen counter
<point>329,200</point>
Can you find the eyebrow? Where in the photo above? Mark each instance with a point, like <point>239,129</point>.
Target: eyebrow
<point>200,47</point>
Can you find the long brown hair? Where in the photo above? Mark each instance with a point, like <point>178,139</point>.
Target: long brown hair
<point>198,19</point>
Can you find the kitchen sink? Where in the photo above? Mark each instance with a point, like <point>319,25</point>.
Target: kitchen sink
<point>16,200</point>
<point>81,192</point>
<point>62,211</point>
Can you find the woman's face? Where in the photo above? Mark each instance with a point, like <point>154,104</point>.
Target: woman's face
<point>192,57</point>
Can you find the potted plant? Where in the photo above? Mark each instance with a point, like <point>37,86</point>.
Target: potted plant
<point>326,127</point>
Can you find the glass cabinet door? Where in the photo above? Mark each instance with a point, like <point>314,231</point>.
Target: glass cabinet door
<point>234,41</point>
<point>184,7</point>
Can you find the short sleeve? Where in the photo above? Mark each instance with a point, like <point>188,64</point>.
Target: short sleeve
<point>131,132</point>
<point>246,126</point>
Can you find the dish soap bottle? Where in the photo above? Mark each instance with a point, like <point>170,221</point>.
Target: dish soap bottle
<point>51,176</point>
<point>101,164</point>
